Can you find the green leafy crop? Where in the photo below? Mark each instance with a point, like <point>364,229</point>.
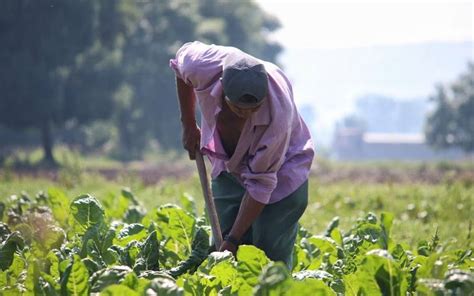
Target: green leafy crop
<point>50,245</point>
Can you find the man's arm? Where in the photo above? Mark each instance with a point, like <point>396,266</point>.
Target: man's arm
<point>187,106</point>
<point>249,210</point>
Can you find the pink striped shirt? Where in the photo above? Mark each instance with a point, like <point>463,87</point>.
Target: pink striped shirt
<point>275,151</point>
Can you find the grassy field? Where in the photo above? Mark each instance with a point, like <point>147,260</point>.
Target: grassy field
<point>63,245</point>
<point>419,209</point>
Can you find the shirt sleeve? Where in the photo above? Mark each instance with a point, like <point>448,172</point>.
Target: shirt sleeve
<point>198,64</point>
<point>260,176</point>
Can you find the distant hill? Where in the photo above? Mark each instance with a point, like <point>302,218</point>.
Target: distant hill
<point>330,81</point>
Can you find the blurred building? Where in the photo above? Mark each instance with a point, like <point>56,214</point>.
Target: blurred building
<point>355,144</point>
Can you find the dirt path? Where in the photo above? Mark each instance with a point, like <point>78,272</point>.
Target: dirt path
<point>152,174</point>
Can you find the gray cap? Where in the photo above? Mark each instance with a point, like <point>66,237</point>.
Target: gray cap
<point>242,76</point>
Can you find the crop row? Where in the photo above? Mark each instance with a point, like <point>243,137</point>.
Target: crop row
<point>51,245</point>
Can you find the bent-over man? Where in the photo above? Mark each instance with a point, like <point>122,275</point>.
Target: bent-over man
<point>259,146</point>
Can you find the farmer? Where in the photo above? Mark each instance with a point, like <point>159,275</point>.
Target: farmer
<point>260,148</point>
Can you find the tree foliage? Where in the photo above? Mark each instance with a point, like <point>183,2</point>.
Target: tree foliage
<point>451,124</point>
<point>75,62</point>
<point>151,110</point>
<point>58,60</point>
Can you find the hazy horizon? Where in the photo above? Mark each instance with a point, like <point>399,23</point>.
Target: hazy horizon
<point>332,80</point>
<point>335,53</point>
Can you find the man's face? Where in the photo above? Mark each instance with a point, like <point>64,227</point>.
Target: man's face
<point>240,111</point>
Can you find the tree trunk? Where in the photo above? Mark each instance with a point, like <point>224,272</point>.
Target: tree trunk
<point>47,141</point>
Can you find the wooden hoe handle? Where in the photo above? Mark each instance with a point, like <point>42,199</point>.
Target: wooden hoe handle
<point>210,206</point>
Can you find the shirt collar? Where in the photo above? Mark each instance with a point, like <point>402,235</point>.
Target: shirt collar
<point>262,115</point>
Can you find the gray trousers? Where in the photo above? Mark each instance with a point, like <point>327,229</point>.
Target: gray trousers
<point>274,231</point>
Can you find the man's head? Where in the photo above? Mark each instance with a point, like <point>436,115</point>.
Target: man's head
<point>245,84</point>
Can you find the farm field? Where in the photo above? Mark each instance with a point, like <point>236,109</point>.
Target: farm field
<point>127,236</point>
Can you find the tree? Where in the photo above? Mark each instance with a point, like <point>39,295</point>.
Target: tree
<point>54,62</point>
<point>451,124</point>
<point>149,108</point>
<point>70,63</point>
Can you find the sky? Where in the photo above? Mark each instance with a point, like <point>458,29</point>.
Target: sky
<point>335,52</point>
<point>333,24</point>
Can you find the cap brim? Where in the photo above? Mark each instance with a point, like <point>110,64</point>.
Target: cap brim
<point>245,105</point>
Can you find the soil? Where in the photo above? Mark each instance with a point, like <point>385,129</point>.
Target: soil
<point>152,174</point>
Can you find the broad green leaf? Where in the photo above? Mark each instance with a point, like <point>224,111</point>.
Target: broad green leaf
<point>301,259</point>
<point>250,263</point>
<point>53,265</point>
<point>336,235</point>
<point>31,282</point>
<point>108,276</point>
<point>148,257</point>
<point>215,258</point>
<point>131,232</point>
<point>360,283</point>
<point>317,246</point>
<point>77,283</point>
<point>87,211</point>
<point>108,239</point>
<point>161,286</point>
<point>434,266</point>
<point>109,255</point>
<point>128,255</point>
<point>119,290</point>
<point>11,280</point>
<point>152,274</point>
<point>334,282</point>
<point>3,280</point>
<point>53,287</point>
<point>227,275</point>
<point>178,225</point>
<point>130,229</point>
<point>91,236</point>
<point>58,202</point>
<point>13,243</point>
<point>400,256</point>
<point>198,254</point>
<point>17,268</point>
<point>387,273</point>
<point>386,221</point>
<point>63,265</point>
<point>198,284</point>
<point>132,281</point>
<point>275,280</point>
<point>310,287</point>
<point>91,265</point>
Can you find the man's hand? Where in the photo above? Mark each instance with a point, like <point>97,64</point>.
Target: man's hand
<point>187,106</point>
<point>229,247</point>
<point>191,139</point>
